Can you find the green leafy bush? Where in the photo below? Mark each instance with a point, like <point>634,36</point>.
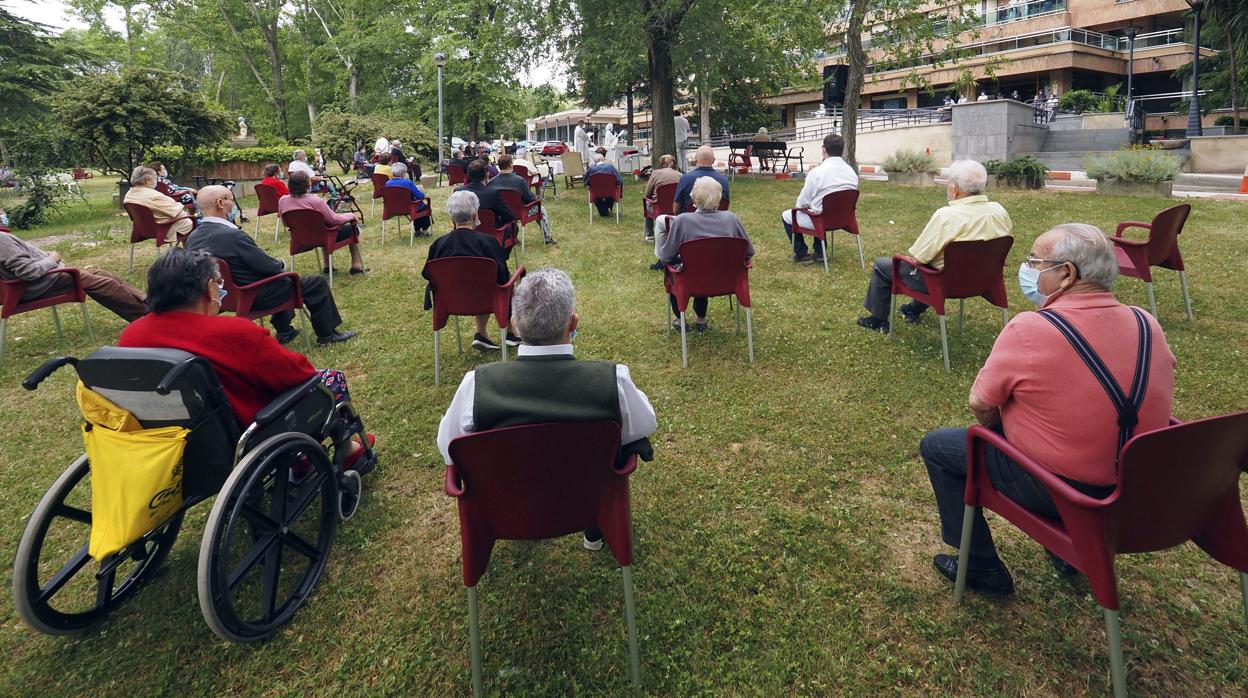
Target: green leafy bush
<point>1024,171</point>
<point>43,195</point>
<point>1078,102</point>
<point>206,157</point>
<point>339,134</point>
<point>914,161</point>
<point>1134,166</point>
<point>1230,120</point>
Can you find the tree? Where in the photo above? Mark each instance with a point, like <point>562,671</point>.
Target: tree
<point>340,134</point>
<point>609,55</point>
<point>134,13</point>
<point>1230,18</point>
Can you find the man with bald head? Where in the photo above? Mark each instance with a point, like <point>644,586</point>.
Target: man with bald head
<point>249,264</point>
<point>704,159</point>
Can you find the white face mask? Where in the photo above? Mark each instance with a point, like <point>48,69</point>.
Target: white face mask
<point>1029,283</point>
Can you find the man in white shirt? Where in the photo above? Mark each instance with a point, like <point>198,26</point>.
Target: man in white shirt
<point>546,383</point>
<point>382,147</point>
<point>682,139</point>
<point>300,164</point>
<point>833,174</point>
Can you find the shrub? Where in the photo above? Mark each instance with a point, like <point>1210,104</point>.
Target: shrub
<point>1230,120</point>
<point>1023,171</point>
<point>339,134</point>
<point>43,194</point>
<point>1134,166</point>
<point>910,161</point>
<point>1078,102</point>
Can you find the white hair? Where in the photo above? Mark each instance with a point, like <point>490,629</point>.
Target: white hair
<point>706,194</point>
<point>968,176</point>
<point>398,170</point>
<point>142,174</point>
<point>543,306</point>
<point>301,155</point>
<point>1089,250</point>
<point>462,207</point>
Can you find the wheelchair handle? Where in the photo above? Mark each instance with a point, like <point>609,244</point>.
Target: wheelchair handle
<point>166,384</point>
<point>48,368</point>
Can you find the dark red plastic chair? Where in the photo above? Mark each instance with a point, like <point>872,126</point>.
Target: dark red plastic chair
<point>723,205</point>
<point>144,227</point>
<point>972,268</point>
<point>379,183</point>
<point>308,231</point>
<point>838,212</point>
<point>11,304</point>
<point>456,174</point>
<point>740,163</point>
<point>710,267</point>
<point>533,178</point>
<point>467,286</point>
<point>396,202</point>
<point>1136,258</point>
<point>268,197</point>
<point>1175,484</point>
<point>486,224</point>
<point>541,481</point>
<point>240,299</point>
<point>663,203</point>
<point>601,185</point>
<point>524,213</point>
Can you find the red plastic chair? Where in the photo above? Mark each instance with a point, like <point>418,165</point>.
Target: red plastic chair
<point>534,179</point>
<point>145,227</point>
<point>524,213</point>
<point>309,232</point>
<point>838,212</point>
<point>486,224</point>
<point>395,202</point>
<point>541,481</point>
<point>467,286</point>
<point>456,174</point>
<point>1136,258</point>
<point>240,299</point>
<point>379,183</point>
<point>268,198</point>
<point>740,163</point>
<point>11,304</point>
<point>662,203</point>
<point>1175,484</point>
<point>723,205</point>
<point>601,185</point>
<point>710,267</point>
<point>972,268</point>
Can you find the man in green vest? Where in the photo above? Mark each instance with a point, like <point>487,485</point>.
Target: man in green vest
<point>546,383</point>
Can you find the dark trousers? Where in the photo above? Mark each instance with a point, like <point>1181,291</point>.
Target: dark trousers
<point>799,242</point>
<point>346,231</point>
<point>699,305</point>
<point>604,206</point>
<point>944,454</point>
<point>880,290</point>
<point>317,298</point>
<point>107,290</point>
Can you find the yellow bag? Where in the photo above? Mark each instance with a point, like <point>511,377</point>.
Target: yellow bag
<point>136,473</point>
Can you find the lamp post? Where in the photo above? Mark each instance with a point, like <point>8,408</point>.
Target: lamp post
<point>439,59</point>
<point>1193,112</point>
<point>1131,32</point>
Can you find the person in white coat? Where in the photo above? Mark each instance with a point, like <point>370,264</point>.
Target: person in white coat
<point>580,141</point>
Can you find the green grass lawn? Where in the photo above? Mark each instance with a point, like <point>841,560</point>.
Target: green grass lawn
<point>783,532</point>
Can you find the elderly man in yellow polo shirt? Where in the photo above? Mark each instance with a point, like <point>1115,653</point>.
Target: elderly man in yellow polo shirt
<point>143,192</point>
<point>969,216</point>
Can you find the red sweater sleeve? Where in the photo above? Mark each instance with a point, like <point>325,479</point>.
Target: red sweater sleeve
<point>274,367</point>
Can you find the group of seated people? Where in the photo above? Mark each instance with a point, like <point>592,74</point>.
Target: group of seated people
<point>487,186</point>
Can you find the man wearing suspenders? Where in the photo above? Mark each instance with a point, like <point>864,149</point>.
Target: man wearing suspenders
<point>1068,385</point>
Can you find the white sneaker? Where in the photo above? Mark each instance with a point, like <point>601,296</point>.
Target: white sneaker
<point>591,545</point>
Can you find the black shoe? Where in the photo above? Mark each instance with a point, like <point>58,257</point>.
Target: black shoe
<point>995,581</point>
<point>911,314</point>
<point>803,259</point>
<point>335,337</point>
<point>550,241</point>
<point>324,271</point>
<point>512,340</point>
<point>657,266</point>
<point>701,326</point>
<point>872,323</point>
<point>1064,569</point>
<point>287,336</point>
<point>359,271</point>
<point>480,341</point>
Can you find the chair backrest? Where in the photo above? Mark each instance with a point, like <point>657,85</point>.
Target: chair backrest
<point>486,223</point>
<point>1182,483</point>
<point>307,229</point>
<point>162,187</point>
<point>522,171</point>
<point>975,267</point>
<point>539,481</point>
<point>838,211</point>
<point>229,304</point>
<point>456,174</point>
<point>379,183</point>
<point>573,163</point>
<point>395,201</point>
<point>665,197</point>
<point>143,223</point>
<point>715,266</point>
<point>462,286</point>
<point>690,208</point>
<point>1163,237</point>
<point>268,196</point>
<point>511,197</point>
<point>602,185</point>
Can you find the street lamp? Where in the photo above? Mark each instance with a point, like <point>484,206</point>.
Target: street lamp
<point>1193,112</point>
<point>439,59</point>
<point>1131,32</point>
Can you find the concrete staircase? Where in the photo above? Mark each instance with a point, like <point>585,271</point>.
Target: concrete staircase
<point>1207,183</point>
<point>1068,150</point>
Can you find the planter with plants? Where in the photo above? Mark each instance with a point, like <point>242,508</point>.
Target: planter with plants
<point>911,168</point>
<point>1134,172</point>
<point>1023,172</point>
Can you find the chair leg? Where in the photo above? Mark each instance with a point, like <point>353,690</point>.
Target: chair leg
<point>4,331</point>
<point>1117,668</point>
<point>961,313</point>
<point>56,317</point>
<point>617,212</point>
<point>892,314</point>
<point>330,259</point>
<point>383,232</point>
<point>1243,590</point>
<point>826,250</point>
<point>667,318</point>
<point>1187,299</point>
<point>1005,316</point>
<point>861,259</point>
<point>522,238</point>
<point>964,552</point>
<point>303,329</point>
<point>502,343</point>
<point>132,258</point>
<point>459,338</point>
<point>684,342</point>
<point>1152,300</point>
<point>277,229</point>
<point>736,315</point>
<point>749,333</point>
<point>474,642</point>
<point>437,365</point>
<point>591,213</point>
<point>86,322</point>
<point>630,621</point>
<point>944,340</point>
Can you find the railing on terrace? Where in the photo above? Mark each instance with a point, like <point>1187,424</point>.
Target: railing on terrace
<point>1024,10</point>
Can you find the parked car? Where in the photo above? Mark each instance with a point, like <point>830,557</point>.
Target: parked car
<point>554,148</point>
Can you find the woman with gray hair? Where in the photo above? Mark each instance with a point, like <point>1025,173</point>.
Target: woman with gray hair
<point>164,209</point>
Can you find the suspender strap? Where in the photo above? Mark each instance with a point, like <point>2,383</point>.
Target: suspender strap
<point>1127,406</point>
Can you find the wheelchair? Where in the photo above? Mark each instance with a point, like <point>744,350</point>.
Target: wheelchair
<point>279,484</point>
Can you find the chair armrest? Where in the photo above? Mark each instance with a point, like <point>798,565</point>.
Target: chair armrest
<point>515,278</point>
<point>454,486</point>
<point>257,285</point>
<point>924,269</point>
<point>286,400</point>
<point>1127,242</point>
<point>630,464</point>
<point>1131,224</point>
<point>1058,489</point>
<point>67,270</point>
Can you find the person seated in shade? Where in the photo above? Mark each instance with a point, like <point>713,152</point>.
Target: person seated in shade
<point>399,180</point>
<point>396,153</point>
<point>832,175</point>
<point>466,241</point>
<point>249,264</point>
<point>704,158</point>
<point>507,179</point>
<point>164,209</point>
<point>704,222</point>
<point>600,165</point>
<point>175,191</point>
<point>762,137</point>
<point>488,199</point>
<point>969,216</point>
<point>273,178</point>
<point>1038,391</point>
<point>300,199</point>
<point>457,158</point>
<point>300,164</point>
<point>184,293</point>
<point>546,383</point>
<point>359,163</point>
<point>665,174</point>
<point>24,261</point>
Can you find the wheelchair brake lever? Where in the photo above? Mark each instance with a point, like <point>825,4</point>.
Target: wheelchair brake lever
<point>48,368</point>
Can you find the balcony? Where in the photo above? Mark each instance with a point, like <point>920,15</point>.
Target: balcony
<point>1023,10</point>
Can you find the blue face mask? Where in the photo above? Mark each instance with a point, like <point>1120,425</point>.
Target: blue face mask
<point>1029,282</point>
<point>233,215</point>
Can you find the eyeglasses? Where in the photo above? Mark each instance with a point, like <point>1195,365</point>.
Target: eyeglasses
<point>1033,261</point>
<point>221,292</point>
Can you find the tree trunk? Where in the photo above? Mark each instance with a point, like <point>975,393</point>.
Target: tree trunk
<point>853,87</point>
<point>129,30</point>
<point>1230,51</point>
<point>628,138</point>
<point>268,30</point>
<point>353,89</point>
<point>704,117</point>
<point>659,71</point>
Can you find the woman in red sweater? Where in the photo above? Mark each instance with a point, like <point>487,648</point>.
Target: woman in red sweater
<point>271,178</point>
<point>184,296</point>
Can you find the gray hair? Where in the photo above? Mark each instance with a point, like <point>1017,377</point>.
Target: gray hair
<point>968,176</point>
<point>706,193</point>
<point>142,174</point>
<point>1089,250</point>
<point>462,206</point>
<point>398,170</point>
<point>301,155</point>
<point>543,306</point>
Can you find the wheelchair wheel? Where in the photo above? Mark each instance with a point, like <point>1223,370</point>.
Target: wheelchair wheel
<point>57,588</point>
<point>268,538</point>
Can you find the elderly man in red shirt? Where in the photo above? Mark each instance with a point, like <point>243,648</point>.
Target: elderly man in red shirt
<point>1038,388</point>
